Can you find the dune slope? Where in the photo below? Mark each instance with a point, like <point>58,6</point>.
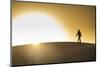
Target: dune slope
<point>53,52</point>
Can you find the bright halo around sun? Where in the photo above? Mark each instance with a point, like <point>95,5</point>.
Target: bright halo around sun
<point>35,28</point>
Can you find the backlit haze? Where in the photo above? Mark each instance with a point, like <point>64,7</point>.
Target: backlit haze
<point>34,23</point>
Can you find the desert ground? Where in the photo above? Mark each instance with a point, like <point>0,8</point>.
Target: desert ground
<point>52,53</point>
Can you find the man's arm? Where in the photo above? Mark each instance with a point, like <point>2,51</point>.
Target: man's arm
<point>76,34</point>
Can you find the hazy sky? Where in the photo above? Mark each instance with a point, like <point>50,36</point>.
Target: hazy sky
<point>69,17</point>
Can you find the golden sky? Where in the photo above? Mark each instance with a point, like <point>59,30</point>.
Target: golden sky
<point>71,17</point>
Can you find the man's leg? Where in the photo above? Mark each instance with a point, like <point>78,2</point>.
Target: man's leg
<point>78,39</point>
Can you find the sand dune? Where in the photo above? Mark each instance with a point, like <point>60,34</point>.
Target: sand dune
<point>53,52</point>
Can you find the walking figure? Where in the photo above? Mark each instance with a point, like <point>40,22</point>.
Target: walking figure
<point>79,35</point>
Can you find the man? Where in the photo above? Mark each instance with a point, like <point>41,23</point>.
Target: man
<point>79,35</point>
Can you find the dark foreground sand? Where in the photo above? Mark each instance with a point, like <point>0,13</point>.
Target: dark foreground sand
<point>53,52</point>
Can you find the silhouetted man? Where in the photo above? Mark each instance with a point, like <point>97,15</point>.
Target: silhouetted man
<point>79,35</point>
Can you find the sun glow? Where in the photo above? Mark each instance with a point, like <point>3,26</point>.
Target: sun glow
<point>36,28</point>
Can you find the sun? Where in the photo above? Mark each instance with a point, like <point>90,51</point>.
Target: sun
<point>35,28</point>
